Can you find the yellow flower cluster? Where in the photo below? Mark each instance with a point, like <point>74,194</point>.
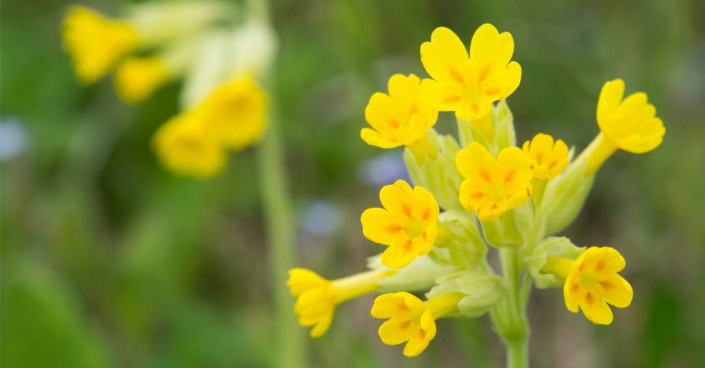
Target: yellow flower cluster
<point>224,106</point>
<point>195,142</point>
<point>95,42</point>
<point>494,193</point>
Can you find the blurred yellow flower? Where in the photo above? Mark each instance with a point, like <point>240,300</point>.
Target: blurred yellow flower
<point>491,186</point>
<point>237,113</point>
<point>470,84</point>
<point>548,158</point>
<point>629,124</point>
<point>318,297</point>
<point>95,43</point>
<point>186,147</point>
<point>411,320</point>
<point>592,282</point>
<point>407,224</point>
<point>399,118</point>
<point>137,78</point>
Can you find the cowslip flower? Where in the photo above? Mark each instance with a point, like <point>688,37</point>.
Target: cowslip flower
<point>592,282</point>
<point>95,43</point>
<point>411,320</point>
<point>629,124</point>
<point>399,118</point>
<point>407,224</point>
<point>137,78</point>
<point>317,297</point>
<point>237,112</point>
<point>187,148</point>
<point>491,187</point>
<point>548,157</point>
<point>470,84</point>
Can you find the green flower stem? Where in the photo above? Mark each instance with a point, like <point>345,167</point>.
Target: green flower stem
<point>280,233</point>
<point>289,349</point>
<point>509,315</point>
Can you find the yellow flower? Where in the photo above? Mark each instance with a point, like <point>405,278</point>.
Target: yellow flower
<point>407,224</point>
<point>318,297</point>
<point>592,282</point>
<point>237,112</point>
<point>400,118</point>
<point>491,186</point>
<point>187,148</point>
<point>629,124</point>
<point>469,85</point>
<point>548,158</point>
<point>95,43</point>
<point>412,320</point>
<point>138,77</point>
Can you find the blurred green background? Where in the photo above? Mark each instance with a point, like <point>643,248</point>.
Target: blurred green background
<point>110,261</point>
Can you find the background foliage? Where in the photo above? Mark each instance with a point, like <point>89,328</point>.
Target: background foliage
<point>109,261</point>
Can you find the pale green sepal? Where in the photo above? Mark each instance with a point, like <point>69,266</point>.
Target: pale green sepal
<point>483,290</point>
<point>420,275</point>
<point>505,135</point>
<point>439,175</point>
<point>565,195</point>
<point>502,135</point>
<point>513,228</point>
<point>458,241</point>
<point>550,247</point>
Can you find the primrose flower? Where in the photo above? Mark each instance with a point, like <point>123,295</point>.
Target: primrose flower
<point>592,282</point>
<point>318,297</point>
<point>95,43</point>
<point>470,84</point>
<point>411,320</point>
<point>548,158</point>
<point>137,78</point>
<point>629,124</point>
<point>407,224</point>
<point>399,118</point>
<point>237,112</point>
<point>186,147</point>
<point>491,187</point>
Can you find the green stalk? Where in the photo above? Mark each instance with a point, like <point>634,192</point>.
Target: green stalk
<point>290,348</point>
<point>509,315</point>
<point>280,236</point>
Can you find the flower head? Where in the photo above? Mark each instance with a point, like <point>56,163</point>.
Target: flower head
<point>399,118</point>
<point>138,77</point>
<point>186,147</point>
<point>95,43</point>
<point>491,186</point>
<point>407,224</point>
<point>594,282</point>
<point>629,123</point>
<point>411,320</point>
<point>548,158</point>
<point>470,84</point>
<point>317,297</point>
<point>237,112</point>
